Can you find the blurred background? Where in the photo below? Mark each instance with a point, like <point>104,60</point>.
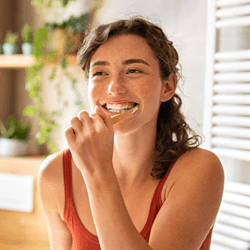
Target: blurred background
<point>47,89</point>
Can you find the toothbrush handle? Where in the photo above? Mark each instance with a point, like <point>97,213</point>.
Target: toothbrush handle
<point>119,117</point>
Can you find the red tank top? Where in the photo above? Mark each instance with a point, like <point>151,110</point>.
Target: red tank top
<point>82,239</point>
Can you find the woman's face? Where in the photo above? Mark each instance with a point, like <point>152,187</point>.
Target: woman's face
<point>124,72</point>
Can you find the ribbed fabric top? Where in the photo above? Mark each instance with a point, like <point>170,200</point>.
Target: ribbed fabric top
<point>82,239</point>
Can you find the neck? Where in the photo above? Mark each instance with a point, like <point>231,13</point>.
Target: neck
<point>133,155</point>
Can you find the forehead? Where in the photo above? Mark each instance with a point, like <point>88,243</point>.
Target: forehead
<point>123,47</point>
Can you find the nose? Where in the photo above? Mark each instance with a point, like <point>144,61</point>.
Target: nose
<point>117,85</point>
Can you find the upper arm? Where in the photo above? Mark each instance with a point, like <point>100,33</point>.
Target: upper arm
<point>50,183</point>
<point>192,202</point>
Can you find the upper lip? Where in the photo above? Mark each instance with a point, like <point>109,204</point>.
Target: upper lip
<point>116,102</point>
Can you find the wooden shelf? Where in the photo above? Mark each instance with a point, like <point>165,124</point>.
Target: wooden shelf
<point>22,61</point>
<point>16,61</point>
<point>31,157</point>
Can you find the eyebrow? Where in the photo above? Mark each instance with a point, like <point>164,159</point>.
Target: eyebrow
<point>96,63</point>
<point>131,61</point>
<point>126,62</point>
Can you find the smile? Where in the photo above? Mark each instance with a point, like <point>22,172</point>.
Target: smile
<point>119,108</point>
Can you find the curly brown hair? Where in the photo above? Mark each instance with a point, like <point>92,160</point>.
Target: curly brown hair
<point>174,135</point>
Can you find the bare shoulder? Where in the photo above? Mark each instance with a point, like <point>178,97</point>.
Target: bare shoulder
<point>200,160</point>
<point>199,168</point>
<point>191,201</point>
<point>52,168</point>
<point>51,182</point>
<point>50,179</point>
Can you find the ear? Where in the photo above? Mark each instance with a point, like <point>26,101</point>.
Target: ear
<point>168,88</point>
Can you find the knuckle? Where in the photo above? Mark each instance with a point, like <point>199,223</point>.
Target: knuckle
<point>74,120</point>
<point>100,129</point>
<point>94,115</point>
<point>83,114</point>
<point>68,131</point>
<point>91,132</point>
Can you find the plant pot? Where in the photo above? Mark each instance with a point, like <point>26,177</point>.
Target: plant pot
<point>12,147</point>
<point>10,49</point>
<point>64,38</point>
<point>27,49</point>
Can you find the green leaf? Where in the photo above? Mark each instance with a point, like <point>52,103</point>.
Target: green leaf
<point>38,100</point>
<point>53,53</point>
<point>65,2</point>
<point>27,33</point>
<point>3,130</point>
<point>49,4</point>
<point>41,36</point>
<point>52,147</point>
<point>63,63</point>
<point>37,2</point>
<point>53,74</point>
<point>69,48</point>
<point>29,110</point>
<point>57,113</point>
<point>15,129</point>
<point>11,37</point>
<point>44,131</point>
<point>42,140</point>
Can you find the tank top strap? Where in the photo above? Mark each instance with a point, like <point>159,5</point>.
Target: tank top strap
<point>156,202</point>
<point>67,175</point>
<point>157,195</point>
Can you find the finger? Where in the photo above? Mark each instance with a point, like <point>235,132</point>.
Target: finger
<point>105,117</point>
<point>85,119</point>
<point>83,115</point>
<point>96,117</point>
<point>70,135</point>
<point>76,124</point>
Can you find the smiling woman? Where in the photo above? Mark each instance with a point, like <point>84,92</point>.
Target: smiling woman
<point>141,182</point>
<point>130,76</point>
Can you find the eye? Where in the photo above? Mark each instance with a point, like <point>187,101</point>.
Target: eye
<point>98,73</point>
<point>134,71</point>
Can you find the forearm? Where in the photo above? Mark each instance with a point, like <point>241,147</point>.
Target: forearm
<point>114,226</point>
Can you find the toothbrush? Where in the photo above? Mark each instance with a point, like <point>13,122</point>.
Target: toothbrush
<point>119,117</point>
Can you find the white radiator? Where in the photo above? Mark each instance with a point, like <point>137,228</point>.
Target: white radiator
<point>232,226</point>
<point>227,85</point>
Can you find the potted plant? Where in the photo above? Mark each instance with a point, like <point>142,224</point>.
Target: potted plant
<point>28,37</point>
<point>10,46</point>
<point>69,34</point>
<point>13,140</point>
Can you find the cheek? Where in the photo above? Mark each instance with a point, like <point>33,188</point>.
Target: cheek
<point>93,94</point>
<point>150,92</point>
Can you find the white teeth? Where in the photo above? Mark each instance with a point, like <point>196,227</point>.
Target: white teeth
<point>119,108</point>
